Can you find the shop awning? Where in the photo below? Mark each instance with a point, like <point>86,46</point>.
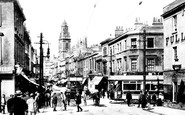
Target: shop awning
<point>84,80</point>
<point>75,78</point>
<point>135,77</point>
<point>29,79</point>
<point>96,80</point>
<point>57,89</point>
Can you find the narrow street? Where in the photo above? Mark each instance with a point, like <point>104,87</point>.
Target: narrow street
<point>107,108</point>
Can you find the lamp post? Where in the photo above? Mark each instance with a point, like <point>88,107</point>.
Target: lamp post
<point>176,67</point>
<point>41,59</point>
<point>1,35</point>
<point>144,59</point>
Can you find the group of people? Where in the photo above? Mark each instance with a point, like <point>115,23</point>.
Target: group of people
<point>65,100</point>
<point>20,104</point>
<point>145,99</point>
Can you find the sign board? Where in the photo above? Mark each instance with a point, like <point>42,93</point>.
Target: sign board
<point>6,69</point>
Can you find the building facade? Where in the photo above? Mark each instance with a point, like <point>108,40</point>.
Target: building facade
<point>174,40</point>
<point>125,58</point>
<point>15,49</point>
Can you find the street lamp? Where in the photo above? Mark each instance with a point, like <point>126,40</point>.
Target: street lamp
<point>176,67</point>
<point>41,58</point>
<point>1,35</point>
<point>144,59</point>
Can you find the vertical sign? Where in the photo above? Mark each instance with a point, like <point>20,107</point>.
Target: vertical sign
<point>0,15</point>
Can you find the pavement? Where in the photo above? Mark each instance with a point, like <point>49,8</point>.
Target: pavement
<point>106,103</point>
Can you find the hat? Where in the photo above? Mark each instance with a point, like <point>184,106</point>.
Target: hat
<point>18,93</point>
<point>31,95</point>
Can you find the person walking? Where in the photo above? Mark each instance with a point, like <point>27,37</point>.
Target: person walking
<point>148,97</point>
<point>129,98</point>
<point>37,100</point>
<point>63,98</point>
<point>3,103</point>
<point>17,105</point>
<point>140,98</point>
<point>78,101</point>
<point>154,99</point>
<point>31,105</point>
<point>10,105</point>
<point>68,96</point>
<point>54,101</point>
<point>143,100</point>
<point>85,98</point>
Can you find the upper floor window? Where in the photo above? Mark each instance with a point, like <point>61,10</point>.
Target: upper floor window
<point>150,42</point>
<point>150,64</point>
<point>104,51</point>
<point>125,44</point>
<point>133,64</point>
<point>110,51</point>
<point>175,52</point>
<point>175,22</point>
<point>133,43</point>
<point>120,47</point>
<point>113,50</point>
<point>67,46</point>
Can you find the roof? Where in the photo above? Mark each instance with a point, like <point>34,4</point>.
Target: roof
<point>174,6</point>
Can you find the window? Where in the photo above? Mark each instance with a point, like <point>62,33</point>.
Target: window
<point>133,43</point>
<point>150,64</point>
<point>150,42</point>
<point>120,47</point>
<point>125,44</point>
<point>67,46</point>
<point>175,22</point>
<point>133,64</point>
<point>175,52</point>
<point>110,51</point>
<point>104,51</point>
<point>113,50</point>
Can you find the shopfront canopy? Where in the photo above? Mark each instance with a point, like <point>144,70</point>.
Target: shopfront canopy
<point>30,81</point>
<point>96,80</point>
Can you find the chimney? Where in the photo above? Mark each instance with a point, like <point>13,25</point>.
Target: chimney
<point>138,23</point>
<point>118,31</point>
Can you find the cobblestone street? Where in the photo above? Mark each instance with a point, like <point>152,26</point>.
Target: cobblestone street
<point>107,108</point>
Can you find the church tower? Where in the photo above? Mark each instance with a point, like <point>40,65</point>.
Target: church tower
<point>64,41</point>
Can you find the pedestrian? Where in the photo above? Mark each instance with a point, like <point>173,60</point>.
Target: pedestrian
<point>54,101</point>
<point>139,99</point>
<point>63,98</point>
<point>85,98</point>
<point>17,105</point>
<point>31,105</point>
<point>78,101</point>
<point>143,100</point>
<point>129,98</point>
<point>10,105</point>
<point>148,97</point>
<point>68,97</point>
<point>154,99</point>
<point>37,100</point>
<point>3,103</point>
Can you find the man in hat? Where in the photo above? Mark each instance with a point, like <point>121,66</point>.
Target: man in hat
<point>17,105</point>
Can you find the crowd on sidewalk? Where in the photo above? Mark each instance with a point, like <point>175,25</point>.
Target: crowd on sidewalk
<point>30,104</point>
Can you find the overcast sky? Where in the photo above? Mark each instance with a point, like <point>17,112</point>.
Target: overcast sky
<point>95,19</point>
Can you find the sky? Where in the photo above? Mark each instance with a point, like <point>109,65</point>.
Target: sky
<point>94,19</point>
